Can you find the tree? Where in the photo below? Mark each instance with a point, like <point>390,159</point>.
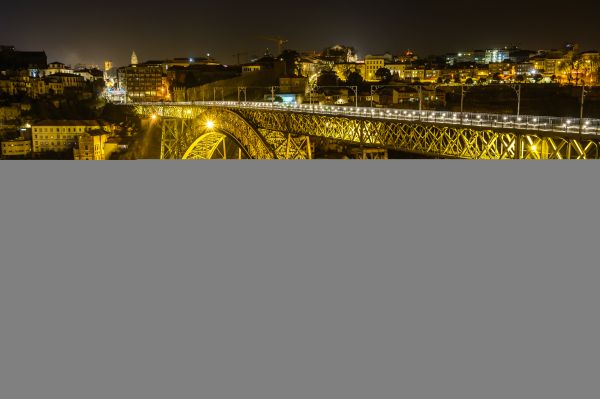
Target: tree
<point>537,77</point>
<point>290,58</point>
<point>469,81</point>
<point>482,80</point>
<point>327,78</point>
<point>497,77</point>
<point>440,80</point>
<point>354,79</point>
<point>384,75</point>
<point>520,78</point>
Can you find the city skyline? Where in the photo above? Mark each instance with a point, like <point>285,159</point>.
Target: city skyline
<point>71,35</point>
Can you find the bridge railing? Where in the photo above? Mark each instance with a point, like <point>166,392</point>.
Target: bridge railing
<point>586,126</point>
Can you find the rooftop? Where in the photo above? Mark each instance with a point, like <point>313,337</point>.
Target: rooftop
<point>91,123</point>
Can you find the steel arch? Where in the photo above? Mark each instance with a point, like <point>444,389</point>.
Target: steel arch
<point>207,144</point>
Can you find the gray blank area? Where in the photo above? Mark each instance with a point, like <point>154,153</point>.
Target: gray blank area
<point>273,280</point>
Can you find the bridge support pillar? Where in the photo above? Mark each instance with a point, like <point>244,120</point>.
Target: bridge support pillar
<point>370,153</point>
<point>174,141</point>
<point>298,147</point>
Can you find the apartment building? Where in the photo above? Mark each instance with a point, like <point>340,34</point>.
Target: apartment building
<point>62,135</point>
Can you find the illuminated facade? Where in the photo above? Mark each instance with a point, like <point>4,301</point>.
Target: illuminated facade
<point>90,146</point>
<point>590,64</point>
<point>246,69</point>
<point>59,136</point>
<point>18,148</point>
<point>397,69</point>
<point>372,64</point>
<point>495,56</point>
<point>144,82</point>
<point>69,80</point>
<point>54,68</point>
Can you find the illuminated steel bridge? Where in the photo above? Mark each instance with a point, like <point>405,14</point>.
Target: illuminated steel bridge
<point>258,130</point>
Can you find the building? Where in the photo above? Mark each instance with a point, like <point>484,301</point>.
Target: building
<point>503,68</point>
<point>397,68</point>
<point>55,68</point>
<point>9,113</point>
<point>10,59</point>
<point>339,54</point>
<point>188,62</point>
<point>590,64</point>
<point>62,135</point>
<point>311,67</point>
<point>495,55</point>
<point>373,63</point>
<point>55,87</point>
<point>69,80</point>
<point>17,84</point>
<point>16,149</point>
<point>548,65</point>
<point>468,56</point>
<point>519,56</point>
<point>115,145</point>
<point>293,85</point>
<point>90,146</point>
<point>90,75</point>
<point>246,69</point>
<point>144,83</point>
<point>525,69</point>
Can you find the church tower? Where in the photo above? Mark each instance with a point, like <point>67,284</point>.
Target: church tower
<point>134,59</point>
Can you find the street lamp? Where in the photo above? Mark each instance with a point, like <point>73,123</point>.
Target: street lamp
<point>584,92</point>
<point>517,90</point>
<point>272,94</point>
<point>463,92</point>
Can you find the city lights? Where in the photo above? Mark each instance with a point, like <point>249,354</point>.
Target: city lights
<point>337,85</point>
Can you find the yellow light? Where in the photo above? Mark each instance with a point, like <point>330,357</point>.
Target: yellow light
<point>210,124</point>
<point>154,117</point>
<point>534,148</point>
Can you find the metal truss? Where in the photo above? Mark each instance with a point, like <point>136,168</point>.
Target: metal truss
<point>264,133</point>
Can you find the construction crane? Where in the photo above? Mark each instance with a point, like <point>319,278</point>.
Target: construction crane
<point>238,56</point>
<point>281,42</point>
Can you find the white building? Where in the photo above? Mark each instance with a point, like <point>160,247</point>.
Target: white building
<point>494,56</point>
<point>54,68</point>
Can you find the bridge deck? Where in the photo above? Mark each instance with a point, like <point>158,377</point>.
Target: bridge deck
<point>586,126</point>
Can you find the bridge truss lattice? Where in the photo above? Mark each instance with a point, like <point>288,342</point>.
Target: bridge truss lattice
<point>199,131</point>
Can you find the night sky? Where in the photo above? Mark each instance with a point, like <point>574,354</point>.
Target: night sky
<point>90,32</point>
